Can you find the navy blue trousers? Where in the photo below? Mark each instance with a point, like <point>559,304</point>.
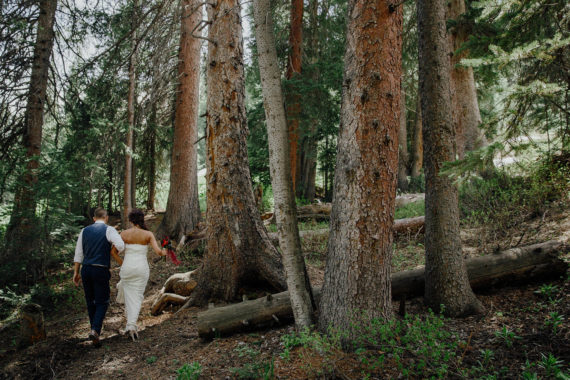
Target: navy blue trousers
<point>97,293</point>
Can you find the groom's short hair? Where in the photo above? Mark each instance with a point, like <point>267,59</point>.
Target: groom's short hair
<point>100,213</point>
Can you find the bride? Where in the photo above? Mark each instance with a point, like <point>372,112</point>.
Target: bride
<point>134,270</point>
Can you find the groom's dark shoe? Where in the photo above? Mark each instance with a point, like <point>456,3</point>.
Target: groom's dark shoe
<point>94,336</point>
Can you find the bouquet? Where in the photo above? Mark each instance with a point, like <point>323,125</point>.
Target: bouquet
<point>166,243</point>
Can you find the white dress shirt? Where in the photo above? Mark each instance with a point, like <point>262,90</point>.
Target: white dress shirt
<point>112,235</point>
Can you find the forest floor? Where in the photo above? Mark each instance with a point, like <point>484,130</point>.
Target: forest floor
<point>516,334</point>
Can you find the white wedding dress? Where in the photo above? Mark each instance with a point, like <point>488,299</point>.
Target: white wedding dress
<point>134,276</point>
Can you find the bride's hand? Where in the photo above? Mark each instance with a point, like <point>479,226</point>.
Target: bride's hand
<point>164,252</point>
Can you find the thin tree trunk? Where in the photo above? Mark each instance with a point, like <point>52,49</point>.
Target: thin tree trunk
<point>110,186</point>
<point>464,92</point>
<point>293,101</point>
<point>446,276</point>
<point>357,273</point>
<point>403,146</point>
<point>418,145</point>
<point>308,167</point>
<point>182,209</point>
<point>326,184</point>
<point>239,252</point>
<point>21,234</point>
<point>134,169</point>
<point>285,209</point>
<point>152,158</point>
<point>128,177</point>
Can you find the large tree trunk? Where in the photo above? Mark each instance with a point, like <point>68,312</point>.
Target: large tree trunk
<point>403,146</point>
<point>293,96</point>
<point>418,145</point>
<point>128,174</point>
<point>283,194</point>
<point>512,267</point>
<point>464,92</point>
<point>21,235</point>
<point>357,274</point>
<point>446,277</point>
<point>182,209</point>
<point>238,249</point>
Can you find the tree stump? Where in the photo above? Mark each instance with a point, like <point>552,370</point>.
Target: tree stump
<point>32,327</point>
<point>175,291</point>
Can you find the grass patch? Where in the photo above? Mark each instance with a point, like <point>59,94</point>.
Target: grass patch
<point>411,210</point>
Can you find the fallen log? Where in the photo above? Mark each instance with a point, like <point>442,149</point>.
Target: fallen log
<point>401,226</point>
<point>514,266</point>
<point>402,200</point>
<point>511,267</point>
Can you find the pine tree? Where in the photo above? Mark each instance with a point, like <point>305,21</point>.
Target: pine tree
<point>446,281</point>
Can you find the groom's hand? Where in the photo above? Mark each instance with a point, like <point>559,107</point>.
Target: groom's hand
<point>76,278</point>
<point>76,275</point>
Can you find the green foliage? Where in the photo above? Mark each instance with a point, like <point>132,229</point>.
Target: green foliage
<point>548,291</point>
<point>507,336</point>
<point>550,364</point>
<point>318,87</point>
<point>151,359</point>
<point>417,184</point>
<point>254,368</point>
<point>508,200</point>
<point>410,210</point>
<point>554,321</point>
<point>381,344</point>
<point>190,371</point>
<point>518,50</point>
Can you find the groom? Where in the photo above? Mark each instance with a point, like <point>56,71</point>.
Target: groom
<point>93,251</point>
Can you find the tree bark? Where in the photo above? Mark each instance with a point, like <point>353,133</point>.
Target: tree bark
<point>464,92</point>
<point>293,103</point>
<point>110,179</point>
<point>128,177</point>
<point>151,130</point>
<point>238,251</point>
<point>21,234</point>
<point>308,147</point>
<point>417,146</point>
<point>183,209</point>
<point>357,274</point>
<point>403,157</point>
<point>32,325</point>
<point>512,267</point>
<point>284,197</point>
<point>134,165</point>
<point>446,277</point>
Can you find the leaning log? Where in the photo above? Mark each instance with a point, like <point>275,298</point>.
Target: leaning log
<point>511,267</point>
<point>165,299</point>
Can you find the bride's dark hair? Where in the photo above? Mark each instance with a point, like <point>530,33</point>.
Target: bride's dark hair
<point>136,217</point>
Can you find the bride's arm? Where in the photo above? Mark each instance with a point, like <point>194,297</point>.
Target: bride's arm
<point>156,248</point>
<point>115,255</point>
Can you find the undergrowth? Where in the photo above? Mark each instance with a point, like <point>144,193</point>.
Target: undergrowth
<point>409,347</point>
